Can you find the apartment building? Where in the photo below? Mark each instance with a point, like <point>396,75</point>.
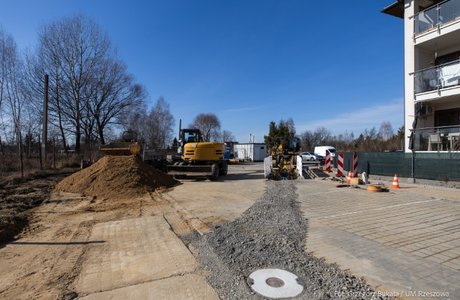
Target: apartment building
<point>431,73</point>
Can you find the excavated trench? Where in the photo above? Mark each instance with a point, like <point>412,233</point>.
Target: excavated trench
<point>271,236</point>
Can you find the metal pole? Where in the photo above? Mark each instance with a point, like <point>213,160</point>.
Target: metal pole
<point>45,121</point>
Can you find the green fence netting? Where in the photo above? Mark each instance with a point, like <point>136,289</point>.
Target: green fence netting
<point>433,166</point>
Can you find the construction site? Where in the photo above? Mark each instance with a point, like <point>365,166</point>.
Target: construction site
<point>221,229</point>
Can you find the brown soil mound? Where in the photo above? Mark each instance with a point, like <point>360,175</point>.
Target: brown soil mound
<point>116,177</point>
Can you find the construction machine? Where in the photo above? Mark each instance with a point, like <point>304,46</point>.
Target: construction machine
<point>198,158</point>
<point>284,149</point>
<point>127,146</point>
<point>284,156</point>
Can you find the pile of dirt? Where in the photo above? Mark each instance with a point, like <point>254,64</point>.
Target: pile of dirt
<point>116,177</point>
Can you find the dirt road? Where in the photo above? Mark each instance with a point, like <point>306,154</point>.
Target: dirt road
<point>86,247</point>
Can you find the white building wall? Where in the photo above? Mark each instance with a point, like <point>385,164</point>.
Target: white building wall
<point>250,151</point>
<point>419,53</point>
<point>409,67</point>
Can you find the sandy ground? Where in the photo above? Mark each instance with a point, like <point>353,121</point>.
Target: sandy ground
<point>91,248</point>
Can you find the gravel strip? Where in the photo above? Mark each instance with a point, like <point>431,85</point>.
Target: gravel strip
<point>272,234</point>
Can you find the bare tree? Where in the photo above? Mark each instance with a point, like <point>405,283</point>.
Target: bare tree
<point>386,130</point>
<point>209,125</point>
<point>136,118</point>
<point>110,91</point>
<point>12,88</point>
<point>307,140</point>
<point>72,48</point>
<point>321,136</point>
<point>227,136</point>
<point>161,123</point>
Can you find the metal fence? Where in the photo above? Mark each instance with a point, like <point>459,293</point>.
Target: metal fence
<point>432,166</point>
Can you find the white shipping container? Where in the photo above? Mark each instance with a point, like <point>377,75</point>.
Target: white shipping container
<point>252,151</point>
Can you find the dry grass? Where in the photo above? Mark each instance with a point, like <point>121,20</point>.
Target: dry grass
<point>10,172</point>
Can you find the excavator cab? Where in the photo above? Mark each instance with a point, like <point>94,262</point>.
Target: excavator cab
<point>191,135</point>
<point>294,145</point>
<point>129,136</point>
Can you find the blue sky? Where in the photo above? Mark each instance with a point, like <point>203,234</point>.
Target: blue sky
<point>337,64</point>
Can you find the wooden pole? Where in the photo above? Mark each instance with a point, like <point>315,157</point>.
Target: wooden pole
<point>40,154</point>
<point>45,123</point>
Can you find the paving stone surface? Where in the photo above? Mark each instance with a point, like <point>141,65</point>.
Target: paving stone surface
<point>404,240</point>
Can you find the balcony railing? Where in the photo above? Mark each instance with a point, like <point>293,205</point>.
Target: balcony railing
<point>435,16</point>
<point>439,77</point>
<point>442,138</point>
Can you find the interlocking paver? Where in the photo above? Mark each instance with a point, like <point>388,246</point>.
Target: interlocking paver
<point>406,239</point>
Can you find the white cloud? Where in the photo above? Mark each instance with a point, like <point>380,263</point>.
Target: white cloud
<point>360,118</point>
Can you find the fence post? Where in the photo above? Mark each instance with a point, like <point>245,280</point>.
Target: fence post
<point>413,166</point>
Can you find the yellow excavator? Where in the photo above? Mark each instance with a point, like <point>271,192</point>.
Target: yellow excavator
<point>127,146</point>
<point>198,158</point>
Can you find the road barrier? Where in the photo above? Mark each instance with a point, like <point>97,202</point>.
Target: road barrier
<point>340,165</point>
<point>327,162</point>
<point>355,165</point>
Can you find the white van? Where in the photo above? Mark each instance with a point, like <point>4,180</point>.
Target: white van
<point>322,150</point>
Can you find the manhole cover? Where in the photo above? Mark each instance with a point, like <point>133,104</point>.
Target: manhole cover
<point>275,283</point>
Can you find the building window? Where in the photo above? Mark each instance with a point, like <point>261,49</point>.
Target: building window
<point>447,117</point>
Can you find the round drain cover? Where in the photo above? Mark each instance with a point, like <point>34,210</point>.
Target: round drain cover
<point>275,283</point>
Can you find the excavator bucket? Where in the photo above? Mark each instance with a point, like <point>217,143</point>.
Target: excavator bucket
<point>127,146</point>
<point>121,148</point>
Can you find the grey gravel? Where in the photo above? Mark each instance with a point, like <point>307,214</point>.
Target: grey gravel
<point>272,234</point>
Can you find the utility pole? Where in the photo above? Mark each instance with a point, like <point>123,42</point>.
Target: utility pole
<point>45,122</point>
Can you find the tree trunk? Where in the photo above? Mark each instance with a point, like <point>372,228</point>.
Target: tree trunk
<point>77,130</point>
<point>61,128</point>
<point>1,146</point>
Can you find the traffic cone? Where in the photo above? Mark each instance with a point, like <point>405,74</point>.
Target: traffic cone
<point>349,177</point>
<point>395,182</point>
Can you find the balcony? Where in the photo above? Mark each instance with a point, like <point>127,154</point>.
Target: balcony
<point>435,16</point>
<point>436,139</point>
<point>437,78</point>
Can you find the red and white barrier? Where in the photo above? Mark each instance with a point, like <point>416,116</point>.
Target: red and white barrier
<point>327,162</point>
<point>340,165</point>
<point>355,165</point>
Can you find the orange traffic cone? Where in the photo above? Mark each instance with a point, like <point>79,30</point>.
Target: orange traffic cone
<point>395,182</point>
<point>349,177</point>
